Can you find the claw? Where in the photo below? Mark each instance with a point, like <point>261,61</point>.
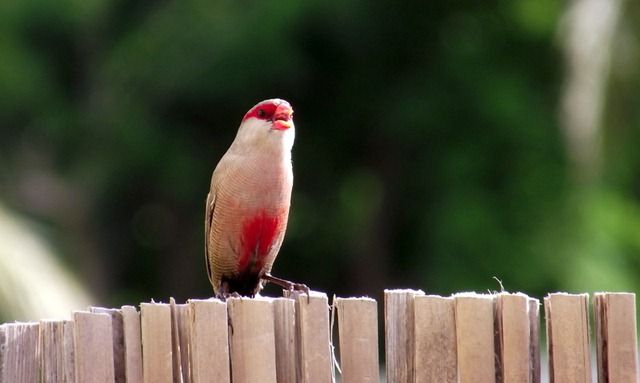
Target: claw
<point>288,285</point>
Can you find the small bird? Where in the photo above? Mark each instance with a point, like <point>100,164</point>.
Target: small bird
<point>247,207</point>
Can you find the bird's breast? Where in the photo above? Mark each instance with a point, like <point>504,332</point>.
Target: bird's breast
<point>260,233</point>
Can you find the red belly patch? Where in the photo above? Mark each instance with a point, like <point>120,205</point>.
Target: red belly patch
<point>258,235</point>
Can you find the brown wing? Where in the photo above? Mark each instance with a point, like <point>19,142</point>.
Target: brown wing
<point>208,217</point>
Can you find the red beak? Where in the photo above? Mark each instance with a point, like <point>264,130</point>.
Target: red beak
<point>282,117</point>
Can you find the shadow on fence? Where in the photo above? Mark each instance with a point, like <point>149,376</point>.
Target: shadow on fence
<point>463,338</point>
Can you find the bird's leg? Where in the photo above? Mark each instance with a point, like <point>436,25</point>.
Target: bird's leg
<point>287,285</point>
<point>224,293</point>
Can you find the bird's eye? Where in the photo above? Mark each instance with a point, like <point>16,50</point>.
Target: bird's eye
<point>261,113</point>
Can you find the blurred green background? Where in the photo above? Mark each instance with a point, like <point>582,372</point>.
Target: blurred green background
<point>438,144</point>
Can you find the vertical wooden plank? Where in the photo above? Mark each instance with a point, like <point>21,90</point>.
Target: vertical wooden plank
<point>284,311</point>
<point>93,344</point>
<point>514,347</point>
<point>183,329</point>
<point>435,339</point>
<point>534,339</point>
<point>313,340</point>
<point>252,341</point>
<point>118,341</point>
<point>616,338</point>
<point>52,351</point>
<point>358,332</point>
<point>399,336</point>
<point>157,355</point>
<point>3,351</point>
<point>475,338</point>
<point>19,352</point>
<point>209,341</point>
<point>132,344</point>
<point>568,338</point>
<point>176,354</point>
<point>69,358</point>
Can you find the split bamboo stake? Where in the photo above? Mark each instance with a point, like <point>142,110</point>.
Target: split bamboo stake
<point>616,338</point>
<point>287,360</point>
<point>252,340</point>
<point>475,338</point>
<point>514,338</point>
<point>358,331</point>
<point>132,344</point>
<point>435,339</point>
<point>399,336</point>
<point>157,355</point>
<point>313,340</point>
<point>118,341</point>
<point>568,337</point>
<point>209,341</point>
<point>19,352</point>
<point>93,345</point>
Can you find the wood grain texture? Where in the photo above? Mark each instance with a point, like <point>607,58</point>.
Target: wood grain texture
<point>209,341</point>
<point>93,344</point>
<point>157,355</point>
<point>568,338</point>
<point>56,351</point>
<point>181,326</point>
<point>358,332</point>
<point>435,339</point>
<point>19,359</point>
<point>513,346</point>
<point>132,344</point>
<point>118,341</point>
<point>616,337</point>
<point>475,338</point>
<point>399,336</point>
<point>534,336</point>
<point>252,340</point>
<point>312,317</point>
<point>287,359</point>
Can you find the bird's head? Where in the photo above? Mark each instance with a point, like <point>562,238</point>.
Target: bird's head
<point>270,123</point>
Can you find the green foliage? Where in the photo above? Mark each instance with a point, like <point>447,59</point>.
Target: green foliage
<point>428,148</point>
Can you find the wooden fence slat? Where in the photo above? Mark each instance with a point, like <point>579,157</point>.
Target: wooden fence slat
<point>252,342</point>
<point>435,339</point>
<point>399,327</point>
<point>51,345</point>
<point>209,341</point>
<point>284,310</point>
<point>19,352</point>
<point>182,328</point>
<point>513,346</point>
<point>358,333</point>
<point>56,351</point>
<point>157,355</point>
<point>132,344</point>
<point>475,338</point>
<point>118,341</point>
<point>616,338</point>
<point>313,338</point>
<point>568,337</point>
<point>534,339</point>
<point>93,345</point>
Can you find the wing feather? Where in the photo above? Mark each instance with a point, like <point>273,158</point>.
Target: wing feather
<point>208,217</point>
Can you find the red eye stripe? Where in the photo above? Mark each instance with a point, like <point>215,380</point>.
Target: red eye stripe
<point>261,111</point>
<point>264,110</point>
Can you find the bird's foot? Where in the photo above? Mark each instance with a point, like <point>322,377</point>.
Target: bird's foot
<point>224,294</point>
<point>287,285</point>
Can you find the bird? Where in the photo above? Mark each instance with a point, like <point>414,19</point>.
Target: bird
<point>247,207</point>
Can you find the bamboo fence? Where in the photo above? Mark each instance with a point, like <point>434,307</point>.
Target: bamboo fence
<point>463,338</point>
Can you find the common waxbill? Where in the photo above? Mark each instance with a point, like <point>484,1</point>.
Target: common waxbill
<point>247,207</point>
